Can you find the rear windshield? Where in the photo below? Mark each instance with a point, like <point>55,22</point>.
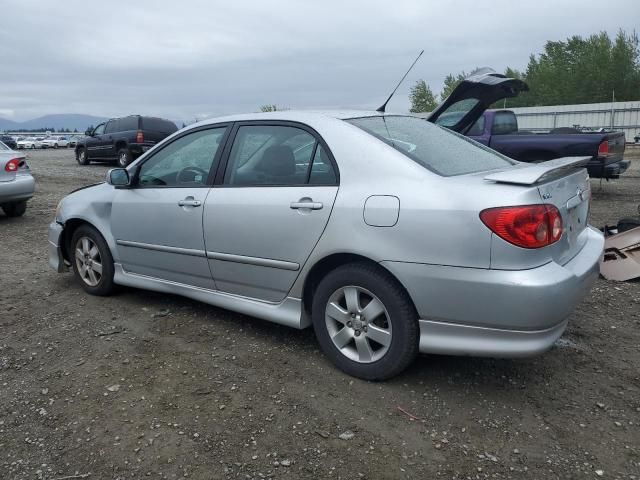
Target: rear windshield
<point>158,125</point>
<point>435,148</point>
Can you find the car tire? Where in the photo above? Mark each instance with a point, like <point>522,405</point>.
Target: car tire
<point>91,261</point>
<point>124,157</point>
<point>375,348</point>
<point>55,145</point>
<point>15,209</point>
<point>33,147</point>
<point>82,157</point>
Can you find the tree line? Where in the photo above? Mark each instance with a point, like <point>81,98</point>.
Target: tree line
<point>577,70</point>
<point>41,130</point>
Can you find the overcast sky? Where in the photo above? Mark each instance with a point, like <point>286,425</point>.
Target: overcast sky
<point>197,58</point>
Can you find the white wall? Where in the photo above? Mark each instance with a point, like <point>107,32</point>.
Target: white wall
<point>626,117</point>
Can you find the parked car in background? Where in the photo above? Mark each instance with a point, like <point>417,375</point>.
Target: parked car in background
<point>56,141</point>
<point>73,140</point>
<point>390,235</point>
<point>9,141</point>
<point>41,140</point>
<point>498,129</point>
<point>16,183</point>
<point>122,139</point>
<point>29,142</point>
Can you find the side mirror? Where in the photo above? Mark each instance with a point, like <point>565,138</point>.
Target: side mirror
<point>88,132</point>
<point>118,177</point>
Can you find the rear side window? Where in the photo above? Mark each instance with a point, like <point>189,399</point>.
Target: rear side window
<point>158,125</point>
<point>269,155</point>
<point>435,148</point>
<point>127,124</point>
<point>504,123</point>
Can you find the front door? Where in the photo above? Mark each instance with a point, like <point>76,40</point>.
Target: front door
<point>157,223</point>
<point>94,142</point>
<point>267,214</point>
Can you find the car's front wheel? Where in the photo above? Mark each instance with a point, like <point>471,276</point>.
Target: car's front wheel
<point>15,209</point>
<point>92,261</point>
<point>365,322</point>
<point>81,156</point>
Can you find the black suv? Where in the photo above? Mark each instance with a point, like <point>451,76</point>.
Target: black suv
<point>9,142</point>
<point>122,139</point>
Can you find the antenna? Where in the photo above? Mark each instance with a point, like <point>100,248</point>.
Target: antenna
<point>382,108</point>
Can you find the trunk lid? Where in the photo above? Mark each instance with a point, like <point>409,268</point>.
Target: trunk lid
<point>565,184</point>
<point>472,97</point>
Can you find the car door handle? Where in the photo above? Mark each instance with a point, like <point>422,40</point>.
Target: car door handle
<point>189,202</point>
<point>309,205</point>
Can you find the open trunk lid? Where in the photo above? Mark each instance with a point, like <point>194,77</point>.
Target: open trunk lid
<point>564,183</point>
<point>472,97</point>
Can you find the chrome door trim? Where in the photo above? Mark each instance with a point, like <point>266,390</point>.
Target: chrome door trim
<point>162,248</point>
<point>260,262</point>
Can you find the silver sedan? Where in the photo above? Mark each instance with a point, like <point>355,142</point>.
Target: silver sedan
<point>388,234</point>
<point>16,183</point>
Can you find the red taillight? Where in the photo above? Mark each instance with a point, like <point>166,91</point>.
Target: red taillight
<point>140,137</point>
<point>12,165</point>
<point>603,149</point>
<point>527,226</point>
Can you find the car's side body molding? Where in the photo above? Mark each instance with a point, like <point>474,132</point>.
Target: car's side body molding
<point>288,312</point>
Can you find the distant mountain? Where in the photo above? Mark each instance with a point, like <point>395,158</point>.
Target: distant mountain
<point>55,122</point>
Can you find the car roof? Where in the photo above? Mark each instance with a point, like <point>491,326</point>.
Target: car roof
<point>303,116</point>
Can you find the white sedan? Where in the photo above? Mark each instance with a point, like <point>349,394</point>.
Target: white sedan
<point>30,142</point>
<point>56,142</point>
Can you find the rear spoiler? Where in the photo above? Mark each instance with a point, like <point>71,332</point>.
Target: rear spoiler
<point>530,174</point>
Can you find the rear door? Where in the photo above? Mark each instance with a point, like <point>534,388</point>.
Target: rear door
<point>472,97</point>
<point>266,213</point>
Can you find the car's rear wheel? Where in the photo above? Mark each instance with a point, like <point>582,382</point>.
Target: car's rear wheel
<point>365,322</point>
<point>81,157</point>
<point>92,261</point>
<point>124,157</point>
<point>55,145</point>
<point>15,209</point>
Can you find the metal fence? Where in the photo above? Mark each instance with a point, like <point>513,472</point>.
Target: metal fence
<point>613,115</point>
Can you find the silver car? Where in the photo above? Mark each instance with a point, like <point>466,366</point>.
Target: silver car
<point>389,234</point>
<point>16,183</point>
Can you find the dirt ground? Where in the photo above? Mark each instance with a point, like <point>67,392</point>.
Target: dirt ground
<point>146,385</point>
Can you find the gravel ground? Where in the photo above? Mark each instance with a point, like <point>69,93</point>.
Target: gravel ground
<point>149,385</point>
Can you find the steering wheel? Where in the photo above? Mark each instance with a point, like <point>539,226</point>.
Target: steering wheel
<point>189,174</point>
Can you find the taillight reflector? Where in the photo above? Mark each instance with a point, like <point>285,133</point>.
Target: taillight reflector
<point>12,165</point>
<point>603,149</point>
<point>527,226</point>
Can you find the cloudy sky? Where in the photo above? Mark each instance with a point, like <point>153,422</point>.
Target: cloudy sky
<point>196,58</point>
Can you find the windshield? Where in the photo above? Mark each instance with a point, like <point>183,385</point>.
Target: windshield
<point>435,148</point>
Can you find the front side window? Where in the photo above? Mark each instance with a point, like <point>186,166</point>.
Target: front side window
<point>438,149</point>
<point>99,129</point>
<point>270,155</point>
<point>185,162</point>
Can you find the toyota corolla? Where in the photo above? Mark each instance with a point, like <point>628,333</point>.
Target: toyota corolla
<point>389,234</point>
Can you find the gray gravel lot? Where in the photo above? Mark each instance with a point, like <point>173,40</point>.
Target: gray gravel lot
<point>146,385</point>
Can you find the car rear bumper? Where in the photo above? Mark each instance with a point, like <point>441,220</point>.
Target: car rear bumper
<point>501,313</point>
<point>610,170</point>
<point>17,190</point>
<point>56,259</point>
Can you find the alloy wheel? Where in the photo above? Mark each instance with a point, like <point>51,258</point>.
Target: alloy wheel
<point>88,261</point>
<point>122,159</point>
<point>358,324</point>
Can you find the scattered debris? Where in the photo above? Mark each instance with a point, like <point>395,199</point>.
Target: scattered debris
<point>410,415</point>
<point>621,258</point>
<point>113,388</point>
<point>348,435</point>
